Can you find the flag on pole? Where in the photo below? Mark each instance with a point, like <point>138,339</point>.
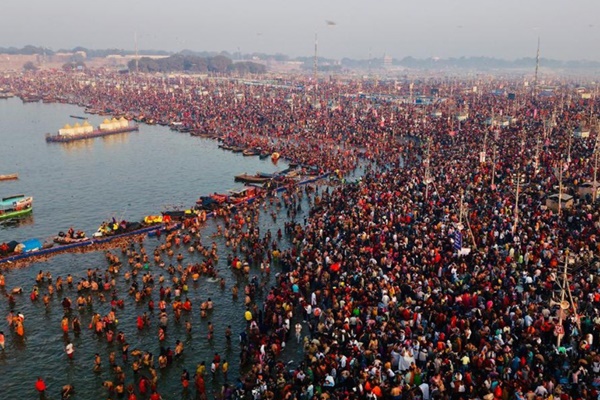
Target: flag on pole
<point>457,240</point>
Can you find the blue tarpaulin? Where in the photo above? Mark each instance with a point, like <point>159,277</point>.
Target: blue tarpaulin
<point>31,245</point>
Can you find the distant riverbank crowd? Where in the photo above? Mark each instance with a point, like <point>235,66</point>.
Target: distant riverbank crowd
<point>375,285</point>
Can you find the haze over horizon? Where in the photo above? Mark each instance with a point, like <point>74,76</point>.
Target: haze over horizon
<point>506,29</point>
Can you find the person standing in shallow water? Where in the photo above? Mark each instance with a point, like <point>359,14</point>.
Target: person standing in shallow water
<point>40,386</point>
<point>70,349</point>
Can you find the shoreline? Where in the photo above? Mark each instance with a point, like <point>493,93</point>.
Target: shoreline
<point>26,259</point>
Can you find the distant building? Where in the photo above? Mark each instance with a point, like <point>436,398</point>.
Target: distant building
<point>387,61</point>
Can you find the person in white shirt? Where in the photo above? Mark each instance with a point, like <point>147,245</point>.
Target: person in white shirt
<point>298,328</point>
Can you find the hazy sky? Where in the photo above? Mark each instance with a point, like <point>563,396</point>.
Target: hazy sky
<point>569,29</point>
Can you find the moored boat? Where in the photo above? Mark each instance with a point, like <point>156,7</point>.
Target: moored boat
<point>246,178</point>
<point>251,152</point>
<point>178,215</point>
<point>70,237</point>
<point>15,206</point>
<point>86,131</point>
<point>244,195</point>
<point>115,228</point>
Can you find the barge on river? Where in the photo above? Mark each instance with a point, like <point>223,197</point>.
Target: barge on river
<point>86,131</point>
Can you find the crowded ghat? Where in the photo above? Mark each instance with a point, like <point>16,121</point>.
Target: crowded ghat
<point>459,264</point>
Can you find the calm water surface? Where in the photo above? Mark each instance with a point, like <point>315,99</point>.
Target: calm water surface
<point>82,184</point>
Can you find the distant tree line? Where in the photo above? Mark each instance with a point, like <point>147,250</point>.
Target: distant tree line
<point>481,63</point>
<point>195,64</point>
<point>199,61</point>
<point>90,53</point>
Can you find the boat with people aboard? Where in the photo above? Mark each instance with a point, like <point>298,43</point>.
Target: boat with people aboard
<point>15,206</point>
<point>71,236</point>
<point>115,228</point>
<point>30,250</point>
<point>86,131</point>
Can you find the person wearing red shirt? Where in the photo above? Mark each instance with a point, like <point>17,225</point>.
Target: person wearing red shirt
<point>155,396</point>
<point>40,386</point>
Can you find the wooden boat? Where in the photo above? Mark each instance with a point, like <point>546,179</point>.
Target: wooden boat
<point>251,152</point>
<point>264,155</point>
<point>178,215</point>
<point>31,98</point>
<point>244,195</point>
<point>207,203</point>
<point>114,228</point>
<point>225,146</point>
<point>9,177</point>
<point>246,178</point>
<point>15,206</point>
<point>219,197</point>
<point>66,238</point>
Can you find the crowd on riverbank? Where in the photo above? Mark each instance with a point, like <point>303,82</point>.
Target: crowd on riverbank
<point>374,284</point>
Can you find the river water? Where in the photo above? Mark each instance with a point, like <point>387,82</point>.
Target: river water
<point>81,184</point>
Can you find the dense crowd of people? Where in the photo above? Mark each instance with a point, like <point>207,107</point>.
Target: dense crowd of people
<point>375,284</point>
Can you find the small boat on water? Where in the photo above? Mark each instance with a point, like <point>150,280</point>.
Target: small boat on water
<point>77,117</point>
<point>30,98</point>
<point>251,152</point>
<point>70,237</point>
<point>178,215</point>
<point>15,206</point>
<point>225,146</point>
<point>9,177</point>
<point>244,195</point>
<point>246,178</point>
<point>86,131</point>
<point>115,228</point>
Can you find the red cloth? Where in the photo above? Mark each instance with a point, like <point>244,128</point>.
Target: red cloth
<point>40,385</point>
